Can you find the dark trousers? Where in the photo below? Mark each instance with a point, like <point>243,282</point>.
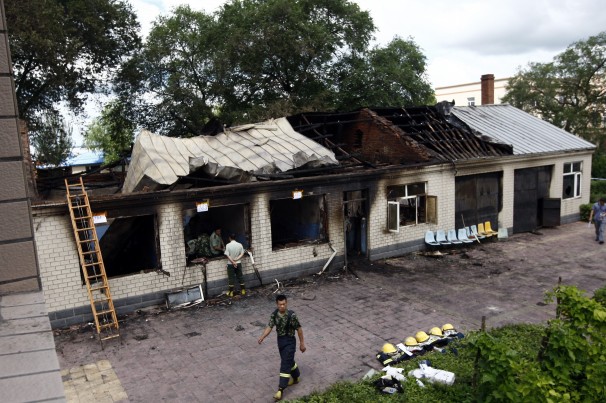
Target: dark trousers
<point>233,272</point>
<point>288,367</point>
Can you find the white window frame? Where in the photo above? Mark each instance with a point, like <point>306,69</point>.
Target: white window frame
<point>471,101</point>
<point>393,223</point>
<point>568,169</point>
<point>394,205</point>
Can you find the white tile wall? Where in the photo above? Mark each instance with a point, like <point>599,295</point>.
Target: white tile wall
<point>58,257</point>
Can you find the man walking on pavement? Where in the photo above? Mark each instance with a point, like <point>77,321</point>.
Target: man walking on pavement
<point>286,322</point>
<point>598,214</point>
<point>234,252</point>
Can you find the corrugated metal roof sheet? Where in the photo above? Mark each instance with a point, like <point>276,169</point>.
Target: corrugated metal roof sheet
<point>526,133</point>
<point>268,147</point>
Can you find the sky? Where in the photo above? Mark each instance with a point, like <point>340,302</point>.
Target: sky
<point>461,39</point>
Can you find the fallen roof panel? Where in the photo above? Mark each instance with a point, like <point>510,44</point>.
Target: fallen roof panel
<point>236,154</point>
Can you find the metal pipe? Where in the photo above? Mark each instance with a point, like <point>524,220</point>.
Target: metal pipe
<point>334,252</point>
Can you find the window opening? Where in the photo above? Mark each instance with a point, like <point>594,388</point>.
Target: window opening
<point>571,186</point>
<point>198,229</point>
<point>358,136</point>
<point>410,205</point>
<point>295,222</point>
<point>129,245</point>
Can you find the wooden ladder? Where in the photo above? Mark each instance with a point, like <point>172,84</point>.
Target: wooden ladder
<point>91,261</point>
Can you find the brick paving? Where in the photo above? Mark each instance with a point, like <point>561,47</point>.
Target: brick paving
<point>210,353</point>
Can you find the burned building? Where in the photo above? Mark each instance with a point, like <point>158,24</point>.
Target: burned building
<point>307,191</point>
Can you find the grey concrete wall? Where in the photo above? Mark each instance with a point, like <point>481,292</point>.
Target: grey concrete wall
<point>18,263</point>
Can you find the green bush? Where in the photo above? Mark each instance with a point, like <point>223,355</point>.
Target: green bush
<point>598,165</point>
<point>569,366</point>
<point>600,296</point>
<point>598,189</point>
<point>585,211</point>
<point>560,362</point>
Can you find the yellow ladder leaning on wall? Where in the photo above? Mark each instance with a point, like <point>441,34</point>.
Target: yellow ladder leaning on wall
<point>91,261</point>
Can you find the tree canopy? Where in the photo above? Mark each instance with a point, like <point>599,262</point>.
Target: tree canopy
<point>63,50</point>
<point>257,59</point>
<point>569,92</point>
<point>389,76</point>
<point>111,132</point>
<point>51,139</point>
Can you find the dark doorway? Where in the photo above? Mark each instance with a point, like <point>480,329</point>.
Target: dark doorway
<point>478,198</point>
<point>355,219</point>
<point>530,186</point>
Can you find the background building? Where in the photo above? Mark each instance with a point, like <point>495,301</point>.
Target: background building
<point>470,94</point>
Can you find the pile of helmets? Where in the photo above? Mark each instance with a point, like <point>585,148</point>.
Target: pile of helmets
<point>421,343</point>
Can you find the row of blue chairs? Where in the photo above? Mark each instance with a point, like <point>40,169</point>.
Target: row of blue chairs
<point>465,235</point>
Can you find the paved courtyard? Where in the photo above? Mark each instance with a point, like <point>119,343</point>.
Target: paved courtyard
<point>209,353</point>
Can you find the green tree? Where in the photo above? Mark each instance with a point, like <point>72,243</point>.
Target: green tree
<point>112,132</point>
<point>258,59</point>
<point>63,50</point>
<point>391,76</point>
<point>279,54</point>
<point>175,75</point>
<point>569,92</point>
<point>51,139</point>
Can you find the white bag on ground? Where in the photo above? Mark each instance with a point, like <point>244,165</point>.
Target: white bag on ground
<point>433,375</point>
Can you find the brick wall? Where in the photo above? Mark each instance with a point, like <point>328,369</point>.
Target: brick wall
<point>66,297</point>
<point>379,141</point>
<point>440,183</point>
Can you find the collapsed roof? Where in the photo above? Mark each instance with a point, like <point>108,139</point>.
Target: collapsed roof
<point>239,154</point>
<point>404,136</point>
<point>332,142</point>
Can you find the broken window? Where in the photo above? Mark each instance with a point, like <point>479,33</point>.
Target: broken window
<point>199,226</point>
<point>572,180</point>
<point>295,221</point>
<point>410,205</point>
<point>129,245</point>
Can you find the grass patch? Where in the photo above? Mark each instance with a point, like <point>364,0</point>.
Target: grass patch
<point>458,357</point>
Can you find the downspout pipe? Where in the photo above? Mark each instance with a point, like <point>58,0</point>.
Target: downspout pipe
<point>334,252</point>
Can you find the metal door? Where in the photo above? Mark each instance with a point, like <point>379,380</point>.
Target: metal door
<point>477,199</point>
<point>530,185</point>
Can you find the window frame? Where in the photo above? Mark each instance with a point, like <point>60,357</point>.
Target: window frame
<point>424,204</point>
<point>569,170</point>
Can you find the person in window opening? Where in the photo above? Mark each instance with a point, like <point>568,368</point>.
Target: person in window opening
<point>234,252</point>
<point>598,215</point>
<point>217,246</point>
<point>286,323</point>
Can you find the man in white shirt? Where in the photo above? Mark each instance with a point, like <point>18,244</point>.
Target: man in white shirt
<point>234,252</point>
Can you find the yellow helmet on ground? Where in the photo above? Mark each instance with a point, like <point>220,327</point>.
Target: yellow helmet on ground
<point>421,336</point>
<point>447,326</point>
<point>435,331</point>
<point>410,341</point>
<point>388,348</point>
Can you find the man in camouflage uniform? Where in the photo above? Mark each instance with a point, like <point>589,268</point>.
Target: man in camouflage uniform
<point>286,322</point>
